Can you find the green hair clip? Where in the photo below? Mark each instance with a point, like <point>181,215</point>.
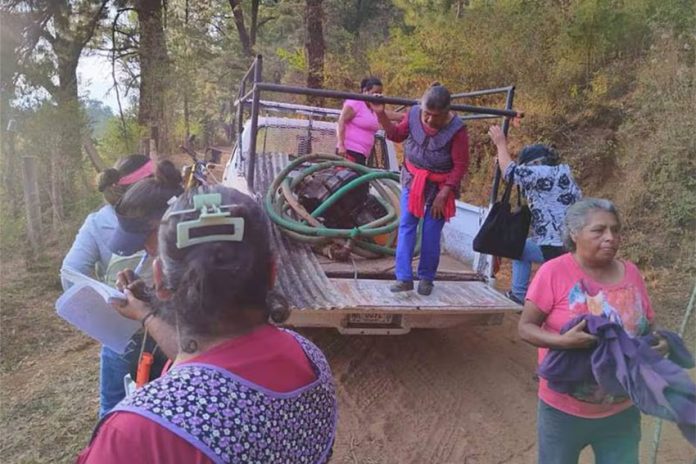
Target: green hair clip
<point>192,232</point>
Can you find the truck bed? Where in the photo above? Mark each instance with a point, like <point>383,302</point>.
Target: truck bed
<point>324,293</point>
<point>383,268</point>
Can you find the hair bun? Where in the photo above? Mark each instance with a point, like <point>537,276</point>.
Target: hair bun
<point>167,174</point>
<point>107,178</point>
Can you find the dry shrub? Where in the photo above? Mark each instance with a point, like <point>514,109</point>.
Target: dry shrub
<point>657,159</point>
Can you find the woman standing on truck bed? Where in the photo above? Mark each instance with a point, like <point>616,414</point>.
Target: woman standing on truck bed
<point>357,125</point>
<point>436,159</point>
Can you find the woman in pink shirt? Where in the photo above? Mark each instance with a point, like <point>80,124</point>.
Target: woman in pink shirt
<point>358,124</point>
<point>589,279</point>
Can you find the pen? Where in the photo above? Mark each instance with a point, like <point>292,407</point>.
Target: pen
<point>140,265</point>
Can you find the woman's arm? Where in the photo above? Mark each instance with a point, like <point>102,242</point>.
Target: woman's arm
<point>529,329</point>
<point>138,310</point>
<point>498,138</point>
<point>162,332</point>
<point>347,113</point>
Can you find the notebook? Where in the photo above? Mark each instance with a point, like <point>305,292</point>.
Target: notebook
<point>86,306</point>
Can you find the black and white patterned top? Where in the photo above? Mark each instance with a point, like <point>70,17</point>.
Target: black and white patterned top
<point>549,190</point>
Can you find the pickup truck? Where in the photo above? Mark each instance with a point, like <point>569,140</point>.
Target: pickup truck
<point>354,296</point>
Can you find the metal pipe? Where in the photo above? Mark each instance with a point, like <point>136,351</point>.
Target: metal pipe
<point>376,99</point>
<point>251,68</point>
<point>468,117</point>
<point>240,116</point>
<point>479,93</point>
<point>506,126</point>
<point>254,121</point>
<point>244,98</point>
<point>295,107</point>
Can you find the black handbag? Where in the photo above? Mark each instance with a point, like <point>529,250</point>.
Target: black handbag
<point>505,230</point>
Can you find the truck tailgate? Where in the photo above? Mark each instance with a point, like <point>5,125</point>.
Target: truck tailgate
<point>470,297</point>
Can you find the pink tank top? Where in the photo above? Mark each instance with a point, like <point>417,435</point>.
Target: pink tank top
<point>360,131</point>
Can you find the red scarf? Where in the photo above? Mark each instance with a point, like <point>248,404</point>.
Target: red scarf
<point>416,199</point>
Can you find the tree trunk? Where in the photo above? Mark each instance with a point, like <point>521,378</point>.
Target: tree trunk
<point>244,38</point>
<point>254,21</point>
<point>93,154</point>
<point>154,70</point>
<point>314,47</point>
<point>70,118</point>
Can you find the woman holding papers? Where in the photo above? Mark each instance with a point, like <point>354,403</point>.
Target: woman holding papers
<point>90,249</point>
<point>240,389</point>
<point>90,255</point>
<point>137,215</point>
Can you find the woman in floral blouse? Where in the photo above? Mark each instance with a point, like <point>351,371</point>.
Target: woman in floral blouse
<point>550,189</point>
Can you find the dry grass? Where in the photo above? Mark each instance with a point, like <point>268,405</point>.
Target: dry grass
<point>48,373</point>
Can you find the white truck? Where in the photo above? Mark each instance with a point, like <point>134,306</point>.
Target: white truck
<point>354,296</point>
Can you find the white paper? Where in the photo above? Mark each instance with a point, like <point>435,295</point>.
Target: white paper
<point>86,306</point>
<point>75,277</point>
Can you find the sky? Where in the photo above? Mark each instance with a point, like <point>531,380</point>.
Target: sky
<point>95,81</point>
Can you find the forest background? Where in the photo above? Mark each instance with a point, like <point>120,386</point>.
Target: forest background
<point>610,83</point>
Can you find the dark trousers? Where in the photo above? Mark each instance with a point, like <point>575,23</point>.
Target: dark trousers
<point>354,157</point>
<point>562,437</point>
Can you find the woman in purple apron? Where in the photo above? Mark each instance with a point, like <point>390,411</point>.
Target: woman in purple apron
<point>240,389</point>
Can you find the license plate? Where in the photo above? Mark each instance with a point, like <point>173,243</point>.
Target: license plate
<point>369,318</point>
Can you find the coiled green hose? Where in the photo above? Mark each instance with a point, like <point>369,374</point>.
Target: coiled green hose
<point>294,220</point>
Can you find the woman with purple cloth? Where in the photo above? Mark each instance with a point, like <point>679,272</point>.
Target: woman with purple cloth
<point>240,389</point>
<point>589,280</point>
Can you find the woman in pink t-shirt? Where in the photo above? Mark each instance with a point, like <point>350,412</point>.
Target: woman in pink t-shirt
<point>357,125</point>
<point>589,279</point>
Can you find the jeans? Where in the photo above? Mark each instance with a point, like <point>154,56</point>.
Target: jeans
<point>430,243</point>
<point>113,367</point>
<point>522,268</point>
<point>614,439</point>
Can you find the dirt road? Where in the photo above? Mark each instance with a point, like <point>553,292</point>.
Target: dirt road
<point>459,395</point>
<point>463,395</point>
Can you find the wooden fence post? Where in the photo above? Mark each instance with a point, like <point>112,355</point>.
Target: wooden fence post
<point>32,203</point>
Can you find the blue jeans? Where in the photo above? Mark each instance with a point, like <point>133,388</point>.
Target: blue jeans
<point>522,268</point>
<point>614,439</point>
<point>430,243</point>
<point>113,367</point>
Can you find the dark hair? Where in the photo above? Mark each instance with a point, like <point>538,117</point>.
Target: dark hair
<point>212,281</point>
<point>437,98</point>
<point>369,82</point>
<point>530,153</point>
<point>107,180</point>
<point>148,198</point>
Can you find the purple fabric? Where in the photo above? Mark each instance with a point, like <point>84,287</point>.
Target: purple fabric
<point>624,366</point>
<point>678,353</point>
